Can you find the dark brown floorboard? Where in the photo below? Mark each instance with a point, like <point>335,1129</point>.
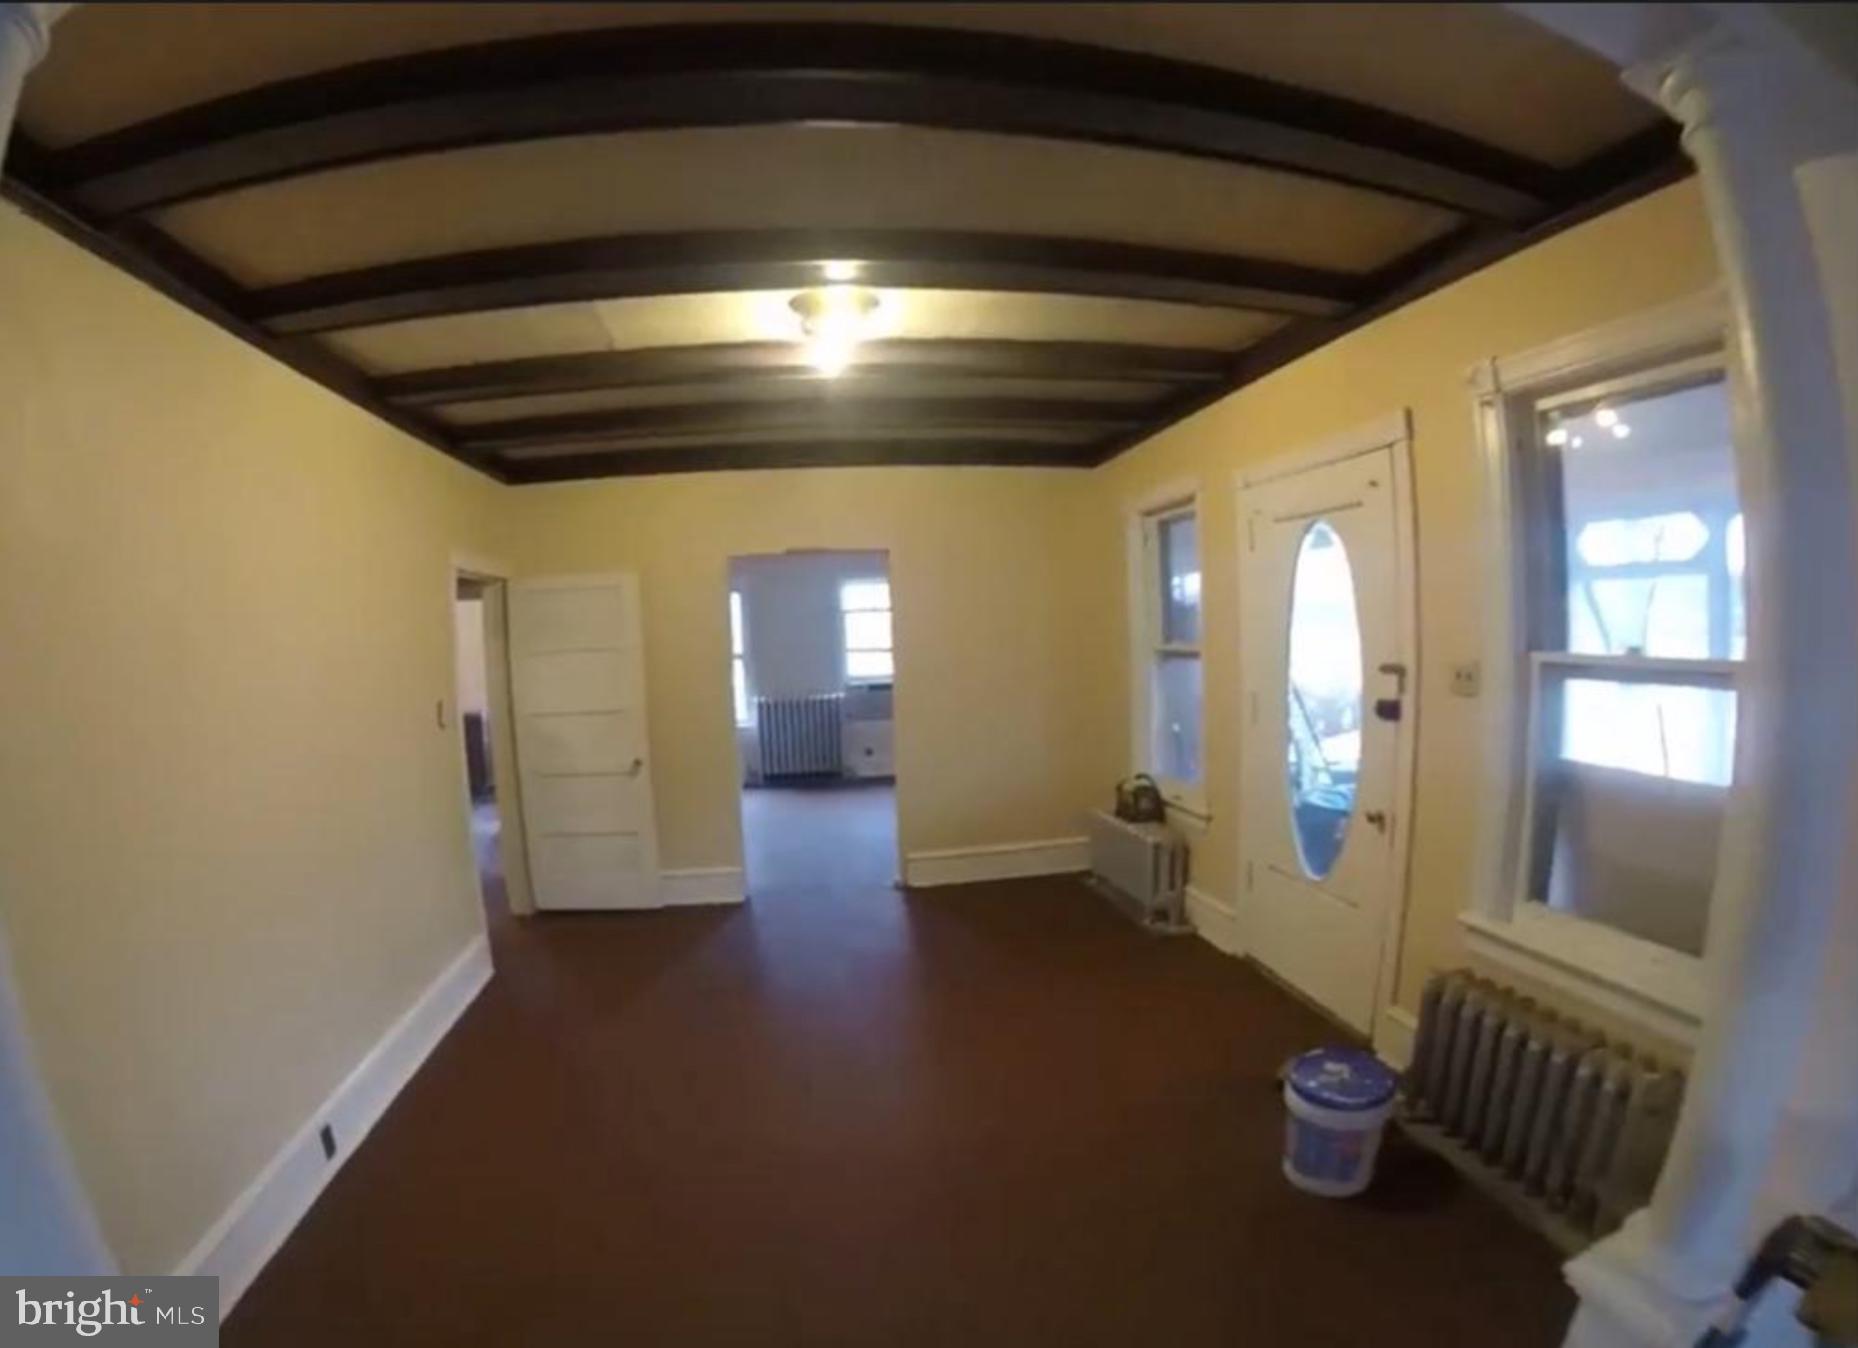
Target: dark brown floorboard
<point>992,1115</point>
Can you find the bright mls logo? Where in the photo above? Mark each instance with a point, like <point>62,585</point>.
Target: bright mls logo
<point>157,1312</point>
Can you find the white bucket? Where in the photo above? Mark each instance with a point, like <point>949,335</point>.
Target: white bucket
<point>1331,1151</point>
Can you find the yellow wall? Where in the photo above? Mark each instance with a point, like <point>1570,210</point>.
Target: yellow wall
<point>1651,252</point>
<point>232,841</point>
<point>990,626</point>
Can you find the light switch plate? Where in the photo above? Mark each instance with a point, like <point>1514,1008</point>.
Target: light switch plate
<point>1467,679</point>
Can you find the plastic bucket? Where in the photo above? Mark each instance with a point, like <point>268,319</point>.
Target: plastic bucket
<point>1338,1101</point>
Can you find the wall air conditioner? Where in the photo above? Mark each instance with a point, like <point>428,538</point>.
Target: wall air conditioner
<point>1142,867</point>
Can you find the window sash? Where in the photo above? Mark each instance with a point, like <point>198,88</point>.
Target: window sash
<point>1154,599</point>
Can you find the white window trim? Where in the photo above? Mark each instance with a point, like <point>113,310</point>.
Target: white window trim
<point>849,679</point>
<point>1638,980</point>
<point>1173,498</point>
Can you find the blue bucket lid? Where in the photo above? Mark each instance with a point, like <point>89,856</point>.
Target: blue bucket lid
<point>1341,1078</point>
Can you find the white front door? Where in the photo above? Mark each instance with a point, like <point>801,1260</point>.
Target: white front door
<point>577,685</point>
<point>1325,673</point>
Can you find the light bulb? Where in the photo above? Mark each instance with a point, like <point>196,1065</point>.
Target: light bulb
<point>840,271</point>
<point>1606,416</point>
<point>1621,430</point>
<point>830,355</point>
<point>1558,436</point>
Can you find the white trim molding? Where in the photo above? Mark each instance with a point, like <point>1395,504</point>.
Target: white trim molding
<point>236,1248</point>
<point>701,885</point>
<point>996,861</point>
<point>1639,982</point>
<point>1395,1031</point>
<point>1215,921</point>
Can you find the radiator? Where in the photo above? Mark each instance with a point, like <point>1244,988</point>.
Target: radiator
<point>1576,1127</point>
<point>800,736</point>
<point>1143,865</point>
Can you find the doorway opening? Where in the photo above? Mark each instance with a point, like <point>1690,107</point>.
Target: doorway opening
<point>471,647</point>
<point>813,668</point>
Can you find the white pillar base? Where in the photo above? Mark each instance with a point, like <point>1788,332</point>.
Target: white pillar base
<point>1632,1296</point>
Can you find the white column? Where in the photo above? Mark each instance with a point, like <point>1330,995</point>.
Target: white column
<point>46,1225</point>
<point>1760,1136</point>
<point>25,32</point>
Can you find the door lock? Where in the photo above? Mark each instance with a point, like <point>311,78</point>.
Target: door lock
<point>1378,818</point>
<point>1387,708</point>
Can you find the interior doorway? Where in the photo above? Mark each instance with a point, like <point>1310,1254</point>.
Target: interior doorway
<point>471,647</point>
<point>813,669</point>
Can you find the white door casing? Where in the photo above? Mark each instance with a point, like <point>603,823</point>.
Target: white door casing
<point>1330,932</point>
<point>577,673</point>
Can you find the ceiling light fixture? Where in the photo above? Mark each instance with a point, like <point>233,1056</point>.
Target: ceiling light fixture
<point>1558,436</point>
<point>835,319</point>
<point>1606,416</point>
<point>1621,430</point>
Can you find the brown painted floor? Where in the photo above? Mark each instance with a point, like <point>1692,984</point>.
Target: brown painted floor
<point>839,1115</point>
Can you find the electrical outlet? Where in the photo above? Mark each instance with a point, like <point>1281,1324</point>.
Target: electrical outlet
<point>1467,679</point>
<point>327,1134</point>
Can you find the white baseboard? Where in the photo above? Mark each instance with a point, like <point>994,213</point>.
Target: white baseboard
<point>237,1246</point>
<point>1000,861</point>
<point>1394,1033</point>
<point>1216,921</point>
<point>701,885</point>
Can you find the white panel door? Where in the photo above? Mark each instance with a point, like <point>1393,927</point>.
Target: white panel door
<point>577,682</point>
<point>1325,674</point>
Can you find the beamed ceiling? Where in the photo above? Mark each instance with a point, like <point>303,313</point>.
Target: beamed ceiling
<point>558,241</point>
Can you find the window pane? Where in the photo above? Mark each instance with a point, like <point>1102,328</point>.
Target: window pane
<point>1666,616</point>
<point>1628,816</point>
<point>1683,733</point>
<point>1648,496</point>
<point>1174,736</point>
<point>867,631</point>
<point>1324,698</point>
<point>735,622</point>
<point>868,665</point>
<point>864,594</point>
<point>1179,546</point>
<point>738,673</point>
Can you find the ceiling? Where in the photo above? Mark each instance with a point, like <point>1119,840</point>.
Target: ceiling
<point>560,240</point>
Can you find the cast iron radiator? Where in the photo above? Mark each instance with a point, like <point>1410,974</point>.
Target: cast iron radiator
<point>1514,1093</point>
<point>801,736</point>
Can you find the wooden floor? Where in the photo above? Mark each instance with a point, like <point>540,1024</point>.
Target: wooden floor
<point>991,1115</point>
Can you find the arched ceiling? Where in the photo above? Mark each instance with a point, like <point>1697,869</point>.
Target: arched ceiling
<point>559,240</point>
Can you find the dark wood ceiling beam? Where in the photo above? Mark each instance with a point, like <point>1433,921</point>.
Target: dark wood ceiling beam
<point>932,452</point>
<point>695,262</point>
<point>826,416</point>
<point>690,75</point>
<point>157,260</point>
<point>778,363</point>
<point>1617,176</point>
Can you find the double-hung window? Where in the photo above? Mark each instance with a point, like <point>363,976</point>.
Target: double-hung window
<point>864,611</point>
<point>1628,623</point>
<point>1171,685</point>
<point>738,658</point>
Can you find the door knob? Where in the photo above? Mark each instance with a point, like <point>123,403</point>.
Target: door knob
<point>1378,818</point>
<point>638,766</point>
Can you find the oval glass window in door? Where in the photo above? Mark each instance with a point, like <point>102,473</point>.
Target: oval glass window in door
<point>1324,702</point>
